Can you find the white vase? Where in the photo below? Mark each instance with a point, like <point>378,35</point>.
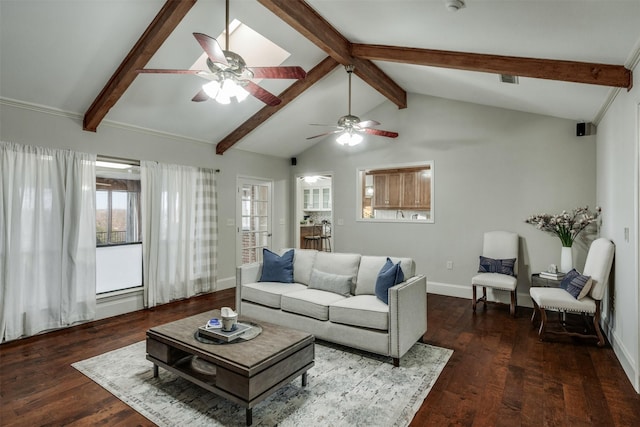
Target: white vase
<point>566,259</point>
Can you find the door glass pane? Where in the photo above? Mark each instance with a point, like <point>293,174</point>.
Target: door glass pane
<point>255,218</point>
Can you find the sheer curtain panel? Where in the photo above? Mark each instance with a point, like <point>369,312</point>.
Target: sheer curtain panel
<point>179,231</point>
<point>47,239</point>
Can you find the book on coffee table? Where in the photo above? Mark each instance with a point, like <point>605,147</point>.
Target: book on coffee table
<point>219,334</point>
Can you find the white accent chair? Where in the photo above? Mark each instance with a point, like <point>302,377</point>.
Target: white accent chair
<point>598,266</point>
<point>498,245</point>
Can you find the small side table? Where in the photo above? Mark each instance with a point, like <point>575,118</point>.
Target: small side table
<point>536,280</point>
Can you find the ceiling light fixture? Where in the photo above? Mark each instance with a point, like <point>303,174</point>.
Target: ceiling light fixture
<point>229,80</point>
<point>351,128</point>
<point>224,89</point>
<point>455,5</point>
<point>349,138</point>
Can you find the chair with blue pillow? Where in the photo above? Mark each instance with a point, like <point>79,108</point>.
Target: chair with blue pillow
<point>578,293</point>
<point>498,267</point>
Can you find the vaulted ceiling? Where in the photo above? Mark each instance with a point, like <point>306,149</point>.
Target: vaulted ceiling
<point>81,57</point>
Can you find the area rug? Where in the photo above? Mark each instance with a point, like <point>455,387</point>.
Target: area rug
<point>345,388</point>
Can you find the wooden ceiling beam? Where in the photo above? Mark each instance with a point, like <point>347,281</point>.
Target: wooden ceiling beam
<point>304,19</point>
<point>293,91</point>
<point>568,71</point>
<point>156,33</point>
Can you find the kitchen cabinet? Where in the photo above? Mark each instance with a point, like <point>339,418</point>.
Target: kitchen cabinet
<point>317,199</point>
<point>416,190</point>
<point>387,191</point>
<point>402,190</point>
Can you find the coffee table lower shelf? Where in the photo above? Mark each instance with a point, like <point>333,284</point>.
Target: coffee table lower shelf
<point>183,369</point>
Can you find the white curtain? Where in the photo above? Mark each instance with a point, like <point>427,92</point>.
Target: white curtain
<point>47,239</point>
<point>179,231</point>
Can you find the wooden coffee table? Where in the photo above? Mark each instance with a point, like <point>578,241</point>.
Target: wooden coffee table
<point>244,372</point>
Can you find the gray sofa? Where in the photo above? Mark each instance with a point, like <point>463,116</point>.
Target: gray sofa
<point>357,319</point>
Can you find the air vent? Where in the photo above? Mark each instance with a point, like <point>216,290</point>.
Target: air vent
<point>508,78</point>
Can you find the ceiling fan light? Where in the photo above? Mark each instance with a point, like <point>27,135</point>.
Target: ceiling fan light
<point>241,93</point>
<point>355,139</point>
<point>349,139</point>
<point>228,88</point>
<point>223,98</point>
<point>211,89</point>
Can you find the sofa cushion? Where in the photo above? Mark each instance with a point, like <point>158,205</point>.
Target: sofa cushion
<point>268,293</point>
<point>365,311</point>
<point>303,260</point>
<point>370,266</point>
<point>338,263</point>
<point>276,268</point>
<point>310,302</point>
<point>390,275</point>
<point>329,282</point>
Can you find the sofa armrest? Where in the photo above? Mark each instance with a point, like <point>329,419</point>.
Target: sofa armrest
<point>407,314</point>
<point>248,273</point>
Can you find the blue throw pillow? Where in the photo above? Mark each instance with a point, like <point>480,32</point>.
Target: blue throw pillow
<point>276,268</point>
<point>390,275</point>
<point>502,266</point>
<point>576,284</point>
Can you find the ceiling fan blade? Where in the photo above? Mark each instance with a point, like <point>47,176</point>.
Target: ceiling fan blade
<point>262,94</point>
<point>278,72</point>
<point>325,134</point>
<point>200,96</point>
<point>211,47</point>
<point>320,124</point>
<point>367,123</point>
<point>379,132</point>
<point>167,71</point>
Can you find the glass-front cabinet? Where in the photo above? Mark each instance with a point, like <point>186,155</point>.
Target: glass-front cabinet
<point>317,199</point>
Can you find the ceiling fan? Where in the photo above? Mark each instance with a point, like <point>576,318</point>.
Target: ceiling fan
<point>351,126</point>
<point>228,74</point>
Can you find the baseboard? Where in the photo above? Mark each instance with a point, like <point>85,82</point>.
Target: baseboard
<point>226,283</point>
<point>449,289</point>
<point>624,357</point>
<point>464,291</point>
<point>119,303</point>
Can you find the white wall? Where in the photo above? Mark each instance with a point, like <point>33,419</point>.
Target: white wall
<point>617,153</point>
<point>493,168</point>
<point>38,126</point>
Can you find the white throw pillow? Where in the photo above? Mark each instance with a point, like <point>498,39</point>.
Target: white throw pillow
<point>336,283</point>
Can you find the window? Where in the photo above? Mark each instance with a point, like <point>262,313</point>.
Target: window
<point>118,226</point>
<point>396,193</point>
<point>117,203</point>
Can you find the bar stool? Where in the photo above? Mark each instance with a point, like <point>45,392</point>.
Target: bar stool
<point>325,237</point>
<point>314,240</point>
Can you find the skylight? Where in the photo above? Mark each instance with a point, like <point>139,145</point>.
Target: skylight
<point>254,48</point>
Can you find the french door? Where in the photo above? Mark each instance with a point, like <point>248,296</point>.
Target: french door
<point>253,219</point>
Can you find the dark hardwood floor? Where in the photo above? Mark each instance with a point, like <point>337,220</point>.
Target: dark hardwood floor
<point>500,374</point>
